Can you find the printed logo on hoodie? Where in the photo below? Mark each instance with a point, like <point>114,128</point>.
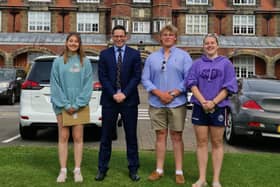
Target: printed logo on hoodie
<point>210,74</point>
<point>75,68</point>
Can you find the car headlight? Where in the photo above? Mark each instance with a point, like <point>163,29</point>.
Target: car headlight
<point>4,84</point>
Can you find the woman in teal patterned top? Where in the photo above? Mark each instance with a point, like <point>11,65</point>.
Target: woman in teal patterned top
<point>71,89</point>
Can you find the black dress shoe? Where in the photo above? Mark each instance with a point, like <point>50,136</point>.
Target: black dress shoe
<point>134,177</point>
<point>100,176</point>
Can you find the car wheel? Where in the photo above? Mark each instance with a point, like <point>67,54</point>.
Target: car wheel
<point>230,136</point>
<point>97,131</point>
<point>12,98</point>
<point>27,132</point>
<point>94,132</point>
<point>115,133</point>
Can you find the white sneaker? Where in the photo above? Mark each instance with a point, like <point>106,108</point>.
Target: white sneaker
<point>61,177</point>
<point>78,176</point>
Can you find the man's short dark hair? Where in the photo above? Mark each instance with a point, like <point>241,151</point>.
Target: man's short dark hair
<point>119,27</point>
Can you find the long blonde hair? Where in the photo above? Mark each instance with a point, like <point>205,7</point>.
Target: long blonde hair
<point>80,50</point>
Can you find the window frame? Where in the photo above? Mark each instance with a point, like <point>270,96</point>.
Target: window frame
<point>144,31</point>
<point>159,24</point>
<point>247,3</point>
<point>37,21</point>
<point>141,1</point>
<point>243,28</point>
<point>86,19</point>
<point>244,66</point>
<point>116,21</point>
<point>196,23</point>
<point>195,2</point>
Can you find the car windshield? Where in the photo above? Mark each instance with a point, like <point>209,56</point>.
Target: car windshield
<point>42,69</point>
<point>6,74</point>
<point>263,85</point>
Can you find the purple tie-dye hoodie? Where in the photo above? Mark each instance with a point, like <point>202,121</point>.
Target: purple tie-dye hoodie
<point>210,76</point>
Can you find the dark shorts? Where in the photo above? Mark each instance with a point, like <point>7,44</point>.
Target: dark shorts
<point>216,118</point>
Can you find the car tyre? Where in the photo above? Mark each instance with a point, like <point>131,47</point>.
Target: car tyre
<point>115,133</point>
<point>230,135</point>
<point>97,133</point>
<point>27,133</point>
<point>12,98</point>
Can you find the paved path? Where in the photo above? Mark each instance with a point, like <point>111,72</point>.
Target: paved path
<point>146,136</point>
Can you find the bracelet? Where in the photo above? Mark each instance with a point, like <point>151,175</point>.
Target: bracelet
<point>214,102</point>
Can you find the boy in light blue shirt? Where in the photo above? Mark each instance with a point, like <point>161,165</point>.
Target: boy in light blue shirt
<point>164,77</point>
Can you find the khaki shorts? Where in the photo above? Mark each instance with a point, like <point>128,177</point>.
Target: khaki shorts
<point>171,118</point>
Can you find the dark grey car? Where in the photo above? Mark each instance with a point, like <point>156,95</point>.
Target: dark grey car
<point>254,110</point>
<point>10,84</point>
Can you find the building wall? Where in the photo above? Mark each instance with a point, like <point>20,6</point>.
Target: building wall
<point>220,13</point>
<point>124,8</point>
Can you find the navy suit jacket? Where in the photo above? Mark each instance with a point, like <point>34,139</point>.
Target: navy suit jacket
<point>130,76</point>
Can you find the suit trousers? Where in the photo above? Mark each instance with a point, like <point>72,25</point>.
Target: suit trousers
<point>109,119</point>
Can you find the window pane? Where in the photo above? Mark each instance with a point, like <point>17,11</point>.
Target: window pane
<point>39,21</point>
<point>196,2</point>
<point>244,66</point>
<point>196,24</point>
<point>141,1</point>
<point>141,27</point>
<point>88,22</point>
<point>245,24</point>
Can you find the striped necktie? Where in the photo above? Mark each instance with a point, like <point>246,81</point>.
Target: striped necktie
<point>119,64</point>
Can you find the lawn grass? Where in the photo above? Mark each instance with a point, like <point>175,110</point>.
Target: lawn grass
<point>38,166</point>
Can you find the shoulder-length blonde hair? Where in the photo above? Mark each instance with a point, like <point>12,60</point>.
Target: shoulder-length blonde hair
<point>80,50</point>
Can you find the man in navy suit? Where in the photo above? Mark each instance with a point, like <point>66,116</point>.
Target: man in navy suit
<point>119,96</point>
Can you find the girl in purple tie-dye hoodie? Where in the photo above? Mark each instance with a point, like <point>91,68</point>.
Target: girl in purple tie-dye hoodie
<point>211,78</point>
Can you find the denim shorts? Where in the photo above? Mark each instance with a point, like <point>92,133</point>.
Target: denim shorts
<point>215,118</point>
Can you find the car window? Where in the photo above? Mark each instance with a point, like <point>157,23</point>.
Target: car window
<point>94,66</point>
<point>7,74</point>
<point>40,72</point>
<point>261,85</point>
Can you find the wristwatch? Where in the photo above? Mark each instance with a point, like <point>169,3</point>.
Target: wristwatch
<point>172,94</point>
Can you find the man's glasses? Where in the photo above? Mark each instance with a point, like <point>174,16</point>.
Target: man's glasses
<point>163,66</point>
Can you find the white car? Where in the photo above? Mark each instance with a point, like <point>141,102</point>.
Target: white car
<point>35,107</point>
<point>189,104</point>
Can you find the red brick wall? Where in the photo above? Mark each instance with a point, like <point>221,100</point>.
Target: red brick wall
<point>162,11</point>
<point>121,8</point>
<point>15,2</point>
<point>267,4</point>
<point>63,3</point>
<point>219,4</point>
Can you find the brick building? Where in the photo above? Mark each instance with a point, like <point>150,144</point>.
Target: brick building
<point>248,30</point>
